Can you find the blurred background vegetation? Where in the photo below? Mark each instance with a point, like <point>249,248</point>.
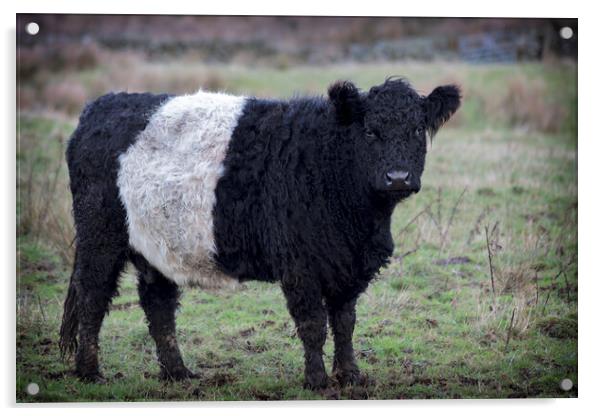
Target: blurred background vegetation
<point>480,299</point>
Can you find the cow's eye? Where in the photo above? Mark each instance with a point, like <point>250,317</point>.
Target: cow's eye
<point>370,134</point>
<point>419,131</point>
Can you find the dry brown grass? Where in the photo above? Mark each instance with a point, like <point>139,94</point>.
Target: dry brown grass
<point>161,77</point>
<point>527,103</point>
<point>68,82</point>
<point>71,57</point>
<point>42,191</point>
<point>64,77</point>
<point>64,96</point>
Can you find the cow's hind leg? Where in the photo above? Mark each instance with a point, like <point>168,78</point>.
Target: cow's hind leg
<point>159,299</point>
<point>96,273</point>
<point>101,254</point>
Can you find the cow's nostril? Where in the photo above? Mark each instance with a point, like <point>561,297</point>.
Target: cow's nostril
<point>397,175</point>
<point>397,179</point>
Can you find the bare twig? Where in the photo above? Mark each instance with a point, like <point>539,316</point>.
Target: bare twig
<point>50,192</point>
<point>563,268</point>
<point>28,202</point>
<point>568,289</point>
<point>407,253</point>
<point>437,217</point>
<point>543,311</point>
<point>490,261</point>
<point>509,330</point>
<point>563,272</point>
<point>439,207</point>
<point>41,307</point>
<point>536,288</point>
<point>477,224</point>
<point>494,229</point>
<point>451,218</point>
<point>418,234</point>
<point>424,211</point>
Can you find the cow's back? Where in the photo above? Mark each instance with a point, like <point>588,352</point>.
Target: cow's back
<point>107,127</point>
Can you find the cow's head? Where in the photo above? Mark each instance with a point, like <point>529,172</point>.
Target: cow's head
<point>388,128</point>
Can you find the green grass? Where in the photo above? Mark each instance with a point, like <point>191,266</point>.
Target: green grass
<point>426,328</point>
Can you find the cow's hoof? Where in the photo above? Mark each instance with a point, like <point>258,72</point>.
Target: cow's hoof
<point>96,378</point>
<point>349,378</point>
<point>316,381</point>
<point>177,374</point>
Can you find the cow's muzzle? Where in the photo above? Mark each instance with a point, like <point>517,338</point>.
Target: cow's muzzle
<point>401,180</point>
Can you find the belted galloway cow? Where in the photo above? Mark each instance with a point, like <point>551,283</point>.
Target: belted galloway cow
<point>194,189</point>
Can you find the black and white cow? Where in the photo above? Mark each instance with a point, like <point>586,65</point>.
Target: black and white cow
<point>198,188</point>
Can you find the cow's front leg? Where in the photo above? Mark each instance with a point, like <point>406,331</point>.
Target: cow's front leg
<point>305,306</point>
<point>342,322</point>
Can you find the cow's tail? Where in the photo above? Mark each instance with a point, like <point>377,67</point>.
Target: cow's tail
<point>70,323</point>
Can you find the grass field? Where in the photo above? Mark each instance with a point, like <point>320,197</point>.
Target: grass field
<point>453,316</point>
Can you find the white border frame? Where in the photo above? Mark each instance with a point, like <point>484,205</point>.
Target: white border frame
<point>589,207</point>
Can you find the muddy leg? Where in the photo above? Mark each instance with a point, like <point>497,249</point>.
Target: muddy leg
<point>96,275</point>
<point>306,307</point>
<point>342,322</point>
<point>159,299</point>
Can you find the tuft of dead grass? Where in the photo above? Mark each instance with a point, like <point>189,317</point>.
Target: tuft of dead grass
<point>497,319</point>
<point>554,327</point>
<point>528,103</point>
<point>42,191</point>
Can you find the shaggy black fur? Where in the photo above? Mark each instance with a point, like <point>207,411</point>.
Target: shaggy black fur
<point>303,202</point>
<point>107,127</point>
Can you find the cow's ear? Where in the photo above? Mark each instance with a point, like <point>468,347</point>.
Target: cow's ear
<point>347,102</point>
<point>440,105</point>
